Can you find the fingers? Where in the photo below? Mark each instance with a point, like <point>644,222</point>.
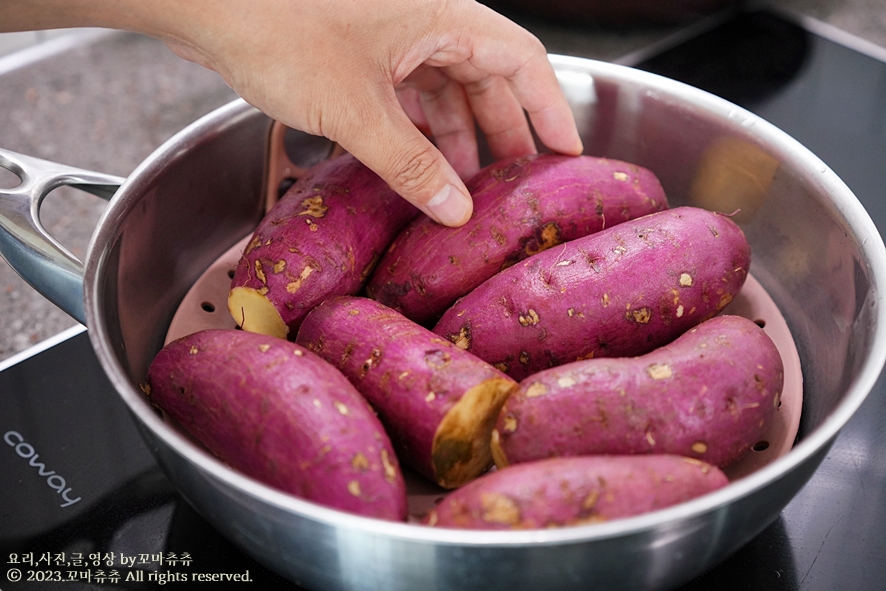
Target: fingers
<point>504,73</point>
<point>450,107</point>
<point>386,141</point>
<point>501,52</point>
<point>450,120</point>
<point>498,112</point>
<point>501,118</point>
<point>492,80</point>
<point>536,88</point>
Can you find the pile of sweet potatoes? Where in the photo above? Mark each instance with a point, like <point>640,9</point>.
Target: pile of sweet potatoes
<point>559,360</point>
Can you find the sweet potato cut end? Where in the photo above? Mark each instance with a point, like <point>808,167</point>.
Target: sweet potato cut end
<point>253,312</point>
<point>461,449</point>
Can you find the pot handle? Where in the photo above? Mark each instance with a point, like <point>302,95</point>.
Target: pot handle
<point>29,249</point>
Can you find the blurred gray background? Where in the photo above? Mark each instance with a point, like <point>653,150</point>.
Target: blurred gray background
<point>105,100</point>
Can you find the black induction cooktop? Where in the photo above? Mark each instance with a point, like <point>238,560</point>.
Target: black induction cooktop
<point>83,505</point>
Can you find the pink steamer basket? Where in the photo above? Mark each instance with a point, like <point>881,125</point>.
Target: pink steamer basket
<point>205,306</point>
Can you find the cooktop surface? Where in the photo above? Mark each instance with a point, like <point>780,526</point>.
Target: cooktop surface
<point>84,505</point>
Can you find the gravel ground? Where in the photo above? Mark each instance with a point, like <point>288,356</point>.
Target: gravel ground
<point>109,100</point>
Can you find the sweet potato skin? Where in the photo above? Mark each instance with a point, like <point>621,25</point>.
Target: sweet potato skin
<point>561,492</point>
<point>323,237</point>
<point>710,395</point>
<point>438,402</point>
<point>620,292</point>
<point>522,206</point>
<point>277,412</point>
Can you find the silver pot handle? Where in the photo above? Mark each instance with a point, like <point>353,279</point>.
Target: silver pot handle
<point>29,249</point>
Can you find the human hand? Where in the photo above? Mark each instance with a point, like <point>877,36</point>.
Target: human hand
<point>335,69</point>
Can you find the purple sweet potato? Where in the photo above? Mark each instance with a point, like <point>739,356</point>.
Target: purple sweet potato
<point>620,292</point>
<point>323,237</point>
<point>560,492</point>
<point>280,414</point>
<point>710,394</point>
<point>522,206</point>
<point>438,402</point>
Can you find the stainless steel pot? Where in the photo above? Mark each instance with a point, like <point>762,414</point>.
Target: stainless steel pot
<point>816,252</point>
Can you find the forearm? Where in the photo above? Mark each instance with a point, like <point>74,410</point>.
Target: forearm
<point>156,18</point>
<point>30,15</point>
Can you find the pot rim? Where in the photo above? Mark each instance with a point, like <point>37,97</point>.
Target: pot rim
<point>845,206</point>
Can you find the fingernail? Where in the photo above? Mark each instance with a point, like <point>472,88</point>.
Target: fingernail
<point>450,207</point>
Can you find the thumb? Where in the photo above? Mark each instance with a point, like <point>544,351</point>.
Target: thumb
<point>389,143</point>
